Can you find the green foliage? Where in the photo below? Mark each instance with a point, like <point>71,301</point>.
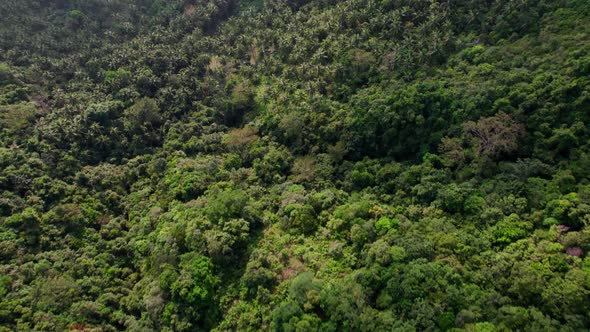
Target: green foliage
<point>5,74</point>
<point>15,119</point>
<point>384,224</point>
<point>510,229</point>
<point>4,285</point>
<point>117,79</point>
<point>195,283</point>
<point>226,204</point>
<point>142,123</point>
<point>304,165</point>
<point>273,165</point>
<point>301,218</point>
<point>474,204</point>
<point>452,197</point>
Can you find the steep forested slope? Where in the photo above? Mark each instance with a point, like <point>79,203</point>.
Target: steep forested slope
<point>319,165</point>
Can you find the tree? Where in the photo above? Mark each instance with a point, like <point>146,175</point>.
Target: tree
<point>238,140</point>
<point>452,151</point>
<point>5,74</point>
<point>274,165</point>
<point>15,119</point>
<point>142,123</point>
<point>510,229</point>
<point>304,169</point>
<point>496,135</point>
<point>193,294</point>
<point>301,218</point>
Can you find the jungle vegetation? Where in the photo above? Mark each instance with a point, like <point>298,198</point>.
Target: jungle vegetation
<point>294,165</point>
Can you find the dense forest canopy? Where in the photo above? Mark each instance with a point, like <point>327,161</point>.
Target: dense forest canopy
<point>305,165</point>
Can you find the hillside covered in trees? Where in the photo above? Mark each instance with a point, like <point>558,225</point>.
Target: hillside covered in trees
<point>294,165</point>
